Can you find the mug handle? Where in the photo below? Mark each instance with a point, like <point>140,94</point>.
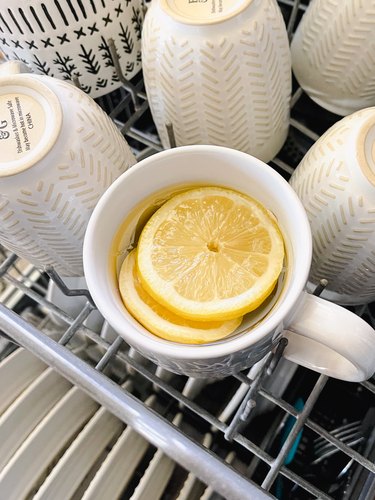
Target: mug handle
<point>330,339</point>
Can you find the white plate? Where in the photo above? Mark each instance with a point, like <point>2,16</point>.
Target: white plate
<point>157,475</point>
<point>27,411</point>
<point>17,371</point>
<point>108,333</point>
<point>194,386</point>
<point>48,439</point>
<point>134,354</point>
<point>164,375</point>
<point>119,466</point>
<point>233,403</point>
<point>193,487</point>
<point>81,455</point>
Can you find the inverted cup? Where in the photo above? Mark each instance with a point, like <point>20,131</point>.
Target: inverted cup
<point>332,54</point>
<point>59,153</point>
<point>335,182</point>
<point>220,74</point>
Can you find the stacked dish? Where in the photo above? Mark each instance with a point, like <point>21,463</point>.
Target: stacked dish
<point>58,443</point>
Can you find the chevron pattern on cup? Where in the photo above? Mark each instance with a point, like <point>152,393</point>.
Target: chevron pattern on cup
<point>230,88</point>
<point>45,221</point>
<point>341,214</point>
<point>337,41</point>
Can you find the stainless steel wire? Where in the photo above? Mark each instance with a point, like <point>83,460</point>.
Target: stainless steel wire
<point>127,112</point>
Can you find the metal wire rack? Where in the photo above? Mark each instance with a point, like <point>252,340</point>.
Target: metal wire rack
<point>254,415</point>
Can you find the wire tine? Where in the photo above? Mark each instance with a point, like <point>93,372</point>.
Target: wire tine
<point>292,19</point>
<point>284,166</point>
<point>277,356</point>
<point>320,288</point>
<point>290,3</point>
<point>300,420</point>
<point>305,130</point>
<point>67,291</point>
<point>248,403</point>
<point>295,97</point>
<point>77,83</point>
<point>171,136</point>
<point>8,263</point>
<point>135,116</point>
<point>127,84</point>
<point>364,462</point>
<point>369,386</point>
<point>76,324</point>
<point>111,352</point>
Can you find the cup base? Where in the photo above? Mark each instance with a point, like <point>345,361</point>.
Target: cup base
<point>337,109</point>
<point>31,121</point>
<point>340,107</point>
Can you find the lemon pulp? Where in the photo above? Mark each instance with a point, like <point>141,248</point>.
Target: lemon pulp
<point>210,254</point>
<point>159,320</point>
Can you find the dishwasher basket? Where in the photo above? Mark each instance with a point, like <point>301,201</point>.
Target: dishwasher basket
<point>277,430</point>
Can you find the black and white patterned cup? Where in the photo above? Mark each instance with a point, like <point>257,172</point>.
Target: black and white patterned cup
<point>68,38</point>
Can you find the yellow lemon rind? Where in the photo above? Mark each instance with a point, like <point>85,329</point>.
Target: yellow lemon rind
<point>159,326</point>
<point>210,316</point>
<point>218,310</point>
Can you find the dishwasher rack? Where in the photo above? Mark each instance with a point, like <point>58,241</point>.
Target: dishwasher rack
<point>246,395</point>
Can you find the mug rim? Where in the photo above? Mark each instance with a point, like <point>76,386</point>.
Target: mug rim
<point>189,352</point>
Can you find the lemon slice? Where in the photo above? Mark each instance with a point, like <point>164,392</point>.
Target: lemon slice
<point>210,254</point>
<point>159,320</point>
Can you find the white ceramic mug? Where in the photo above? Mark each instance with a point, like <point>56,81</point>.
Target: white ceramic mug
<point>219,72</point>
<point>332,54</point>
<point>336,184</point>
<point>67,38</point>
<point>322,336</point>
<point>59,153</point>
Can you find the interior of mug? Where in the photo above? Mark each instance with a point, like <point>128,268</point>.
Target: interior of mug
<point>192,166</point>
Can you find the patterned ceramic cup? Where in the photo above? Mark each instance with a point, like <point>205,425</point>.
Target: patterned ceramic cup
<point>59,153</point>
<point>67,38</point>
<point>333,54</point>
<point>219,72</point>
<point>322,336</point>
<point>336,184</point>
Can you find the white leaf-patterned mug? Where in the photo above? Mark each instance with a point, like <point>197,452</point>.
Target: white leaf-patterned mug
<point>333,54</point>
<point>68,38</point>
<point>322,336</point>
<point>336,184</point>
<point>219,72</point>
<point>59,153</point>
